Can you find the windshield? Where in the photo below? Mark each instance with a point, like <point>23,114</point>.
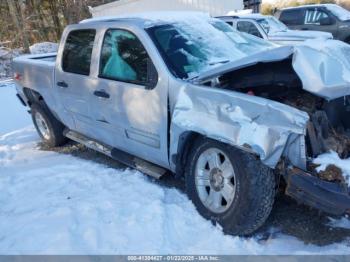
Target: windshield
<point>190,48</point>
<point>339,12</point>
<point>271,24</point>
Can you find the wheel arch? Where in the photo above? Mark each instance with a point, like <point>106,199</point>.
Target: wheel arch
<point>184,146</point>
<point>33,96</point>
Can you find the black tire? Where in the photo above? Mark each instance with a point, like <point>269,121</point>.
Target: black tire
<point>55,128</point>
<point>347,40</point>
<point>255,189</point>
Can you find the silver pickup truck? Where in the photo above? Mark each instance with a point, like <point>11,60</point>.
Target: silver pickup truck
<point>183,94</point>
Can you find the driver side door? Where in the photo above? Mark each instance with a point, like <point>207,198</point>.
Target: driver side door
<point>129,102</point>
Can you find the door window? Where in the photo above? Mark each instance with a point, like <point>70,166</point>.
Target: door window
<point>292,17</point>
<point>124,58</point>
<point>313,16</point>
<point>77,52</point>
<point>248,27</point>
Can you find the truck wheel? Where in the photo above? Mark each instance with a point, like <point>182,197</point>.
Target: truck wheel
<point>347,40</point>
<point>48,127</point>
<point>229,186</point>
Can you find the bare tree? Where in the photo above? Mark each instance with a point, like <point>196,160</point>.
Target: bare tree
<point>24,22</point>
<point>17,17</point>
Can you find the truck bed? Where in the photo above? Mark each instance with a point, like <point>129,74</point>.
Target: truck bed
<point>35,72</point>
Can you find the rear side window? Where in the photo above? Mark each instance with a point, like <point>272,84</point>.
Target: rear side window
<point>314,16</point>
<point>249,28</point>
<point>292,17</point>
<point>77,52</point>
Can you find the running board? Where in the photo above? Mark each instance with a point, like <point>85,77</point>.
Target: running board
<point>121,156</point>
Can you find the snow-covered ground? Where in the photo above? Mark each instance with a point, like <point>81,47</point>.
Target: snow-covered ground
<point>12,114</point>
<point>7,55</point>
<point>52,203</point>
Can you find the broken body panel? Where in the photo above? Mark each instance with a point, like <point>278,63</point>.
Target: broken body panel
<point>268,128</point>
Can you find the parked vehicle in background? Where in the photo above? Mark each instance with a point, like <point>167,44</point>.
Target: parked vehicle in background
<point>271,29</point>
<point>231,114</point>
<point>324,17</point>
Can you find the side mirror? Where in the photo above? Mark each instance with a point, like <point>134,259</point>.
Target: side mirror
<point>326,21</point>
<point>152,75</point>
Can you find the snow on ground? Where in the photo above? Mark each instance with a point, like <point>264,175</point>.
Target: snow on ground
<point>6,56</point>
<point>332,158</point>
<point>52,203</point>
<point>12,114</point>
<point>342,223</point>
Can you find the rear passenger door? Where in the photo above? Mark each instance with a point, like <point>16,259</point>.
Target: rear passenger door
<point>72,78</point>
<point>318,19</point>
<point>293,18</point>
<point>129,102</point>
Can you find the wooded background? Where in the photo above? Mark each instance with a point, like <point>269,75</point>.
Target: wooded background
<point>25,22</point>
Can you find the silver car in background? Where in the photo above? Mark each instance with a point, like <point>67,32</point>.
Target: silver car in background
<point>271,29</point>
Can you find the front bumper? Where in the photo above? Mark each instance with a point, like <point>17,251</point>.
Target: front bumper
<point>332,198</point>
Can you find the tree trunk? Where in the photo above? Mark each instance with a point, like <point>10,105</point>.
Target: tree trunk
<point>19,23</point>
<point>54,11</point>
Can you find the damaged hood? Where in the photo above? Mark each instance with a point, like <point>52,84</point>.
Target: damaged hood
<point>322,66</point>
<point>296,35</point>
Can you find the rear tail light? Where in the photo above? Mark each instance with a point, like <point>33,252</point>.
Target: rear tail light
<point>18,76</point>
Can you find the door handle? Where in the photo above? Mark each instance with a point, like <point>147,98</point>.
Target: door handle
<point>305,29</point>
<point>62,84</point>
<point>102,94</point>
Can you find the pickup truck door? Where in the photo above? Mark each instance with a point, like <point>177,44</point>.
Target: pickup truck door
<point>129,103</point>
<point>293,18</point>
<point>72,78</point>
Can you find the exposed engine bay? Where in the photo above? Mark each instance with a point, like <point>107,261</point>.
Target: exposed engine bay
<point>329,125</point>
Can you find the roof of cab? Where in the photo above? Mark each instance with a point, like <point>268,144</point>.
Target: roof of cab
<point>149,18</point>
<point>311,5</point>
<point>246,16</point>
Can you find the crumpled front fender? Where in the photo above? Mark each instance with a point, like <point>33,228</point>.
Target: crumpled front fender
<point>251,123</point>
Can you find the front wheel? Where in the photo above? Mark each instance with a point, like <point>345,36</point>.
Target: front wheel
<point>229,186</point>
<point>48,127</point>
<point>347,40</point>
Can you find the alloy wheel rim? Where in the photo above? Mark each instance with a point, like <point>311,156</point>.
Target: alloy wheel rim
<point>215,180</point>
<point>42,126</point>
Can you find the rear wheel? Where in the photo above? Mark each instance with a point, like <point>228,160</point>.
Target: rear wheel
<point>48,127</point>
<point>229,186</point>
<point>347,40</point>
